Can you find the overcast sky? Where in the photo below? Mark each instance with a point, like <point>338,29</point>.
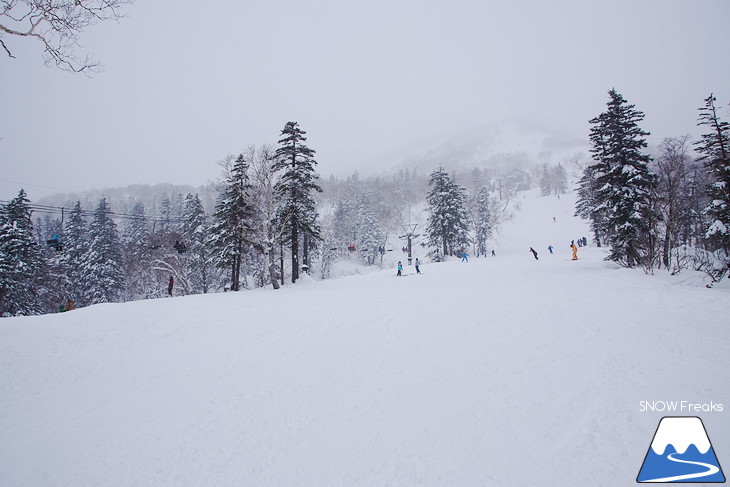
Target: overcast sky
<point>186,83</point>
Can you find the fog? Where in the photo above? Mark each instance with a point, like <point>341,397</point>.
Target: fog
<point>185,84</point>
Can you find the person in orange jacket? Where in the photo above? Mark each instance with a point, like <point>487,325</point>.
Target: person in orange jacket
<point>575,251</point>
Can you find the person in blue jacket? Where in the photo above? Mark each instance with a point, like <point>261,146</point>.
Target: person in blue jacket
<point>464,257</point>
<point>400,269</point>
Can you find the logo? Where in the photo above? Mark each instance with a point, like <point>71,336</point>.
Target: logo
<point>681,452</point>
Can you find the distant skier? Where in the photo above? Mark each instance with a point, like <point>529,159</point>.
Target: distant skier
<point>418,266</point>
<point>169,286</point>
<point>493,254</point>
<point>464,257</point>
<point>400,269</point>
<point>575,251</point>
<point>534,252</point>
<point>550,248</point>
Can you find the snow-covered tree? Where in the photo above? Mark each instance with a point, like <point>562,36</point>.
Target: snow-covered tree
<point>297,215</point>
<point>140,282</point>
<point>233,215</point>
<point>482,219</point>
<point>546,181</point>
<point>448,220</point>
<point>369,234</point>
<point>196,229</point>
<point>674,202</point>
<point>104,274</point>
<point>624,184</point>
<point>586,205</point>
<point>75,257</point>
<point>21,260</point>
<point>560,179</point>
<point>714,150</point>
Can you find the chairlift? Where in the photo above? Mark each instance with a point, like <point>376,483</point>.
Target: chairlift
<point>55,242</point>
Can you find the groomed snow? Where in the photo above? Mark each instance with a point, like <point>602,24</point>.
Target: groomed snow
<point>502,371</point>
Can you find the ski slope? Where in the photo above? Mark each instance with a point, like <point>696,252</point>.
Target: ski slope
<point>501,371</point>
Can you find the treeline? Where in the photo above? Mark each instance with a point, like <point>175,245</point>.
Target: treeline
<point>672,212</point>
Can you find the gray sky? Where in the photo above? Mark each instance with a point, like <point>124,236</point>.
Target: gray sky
<point>186,83</point>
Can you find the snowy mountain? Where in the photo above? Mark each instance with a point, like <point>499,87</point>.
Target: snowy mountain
<point>500,147</point>
<point>499,371</point>
<point>680,432</point>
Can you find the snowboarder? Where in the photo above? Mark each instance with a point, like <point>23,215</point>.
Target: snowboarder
<point>575,251</point>
<point>550,248</point>
<point>534,252</point>
<point>418,266</point>
<point>169,286</point>
<point>400,269</point>
<point>464,257</point>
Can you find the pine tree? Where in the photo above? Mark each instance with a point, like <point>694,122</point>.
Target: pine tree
<point>546,181</point>
<point>714,149</point>
<point>75,258</point>
<point>586,205</point>
<point>21,260</point>
<point>482,220</point>
<point>105,270</point>
<point>140,282</point>
<point>623,181</point>
<point>448,221</point>
<point>196,230</point>
<point>234,214</point>
<point>369,234</point>
<point>297,211</point>
<point>560,179</point>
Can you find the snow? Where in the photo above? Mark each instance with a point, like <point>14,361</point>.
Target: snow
<point>501,371</point>
<point>681,433</point>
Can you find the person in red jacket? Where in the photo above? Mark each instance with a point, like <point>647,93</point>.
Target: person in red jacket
<point>169,286</point>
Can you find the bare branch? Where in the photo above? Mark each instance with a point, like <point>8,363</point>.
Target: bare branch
<point>58,25</point>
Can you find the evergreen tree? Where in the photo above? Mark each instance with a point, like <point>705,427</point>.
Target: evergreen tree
<point>196,230</point>
<point>140,282</point>
<point>75,258</point>
<point>21,260</point>
<point>369,233</point>
<point>546,181</point>
<point>714,149</point>
<point>586,205</point>
<point>104,274</point>
<point>448,221</point>
<point>623,181</point>
<point>560,179</point>
<point>297,211</point>
<point>482,220</point>
<point>233,215</point>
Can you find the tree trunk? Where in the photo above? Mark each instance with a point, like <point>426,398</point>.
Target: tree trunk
<point>294,253</point>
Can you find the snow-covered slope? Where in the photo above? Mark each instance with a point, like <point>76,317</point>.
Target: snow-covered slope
<point>501,371</point>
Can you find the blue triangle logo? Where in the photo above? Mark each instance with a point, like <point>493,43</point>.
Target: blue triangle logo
<point>680,452</point>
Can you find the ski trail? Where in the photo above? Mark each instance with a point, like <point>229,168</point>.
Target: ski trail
<point>712,470</point>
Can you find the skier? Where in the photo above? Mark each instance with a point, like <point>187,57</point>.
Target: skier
<point>69,304</point>
<point>575,251</point>
<point>550,248</point>
<point>169,286</point>
<point>418,266</point>
<point>534,252</point>
<point>464,257</point>
<point>400,269</point>
<point>493,254</point>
